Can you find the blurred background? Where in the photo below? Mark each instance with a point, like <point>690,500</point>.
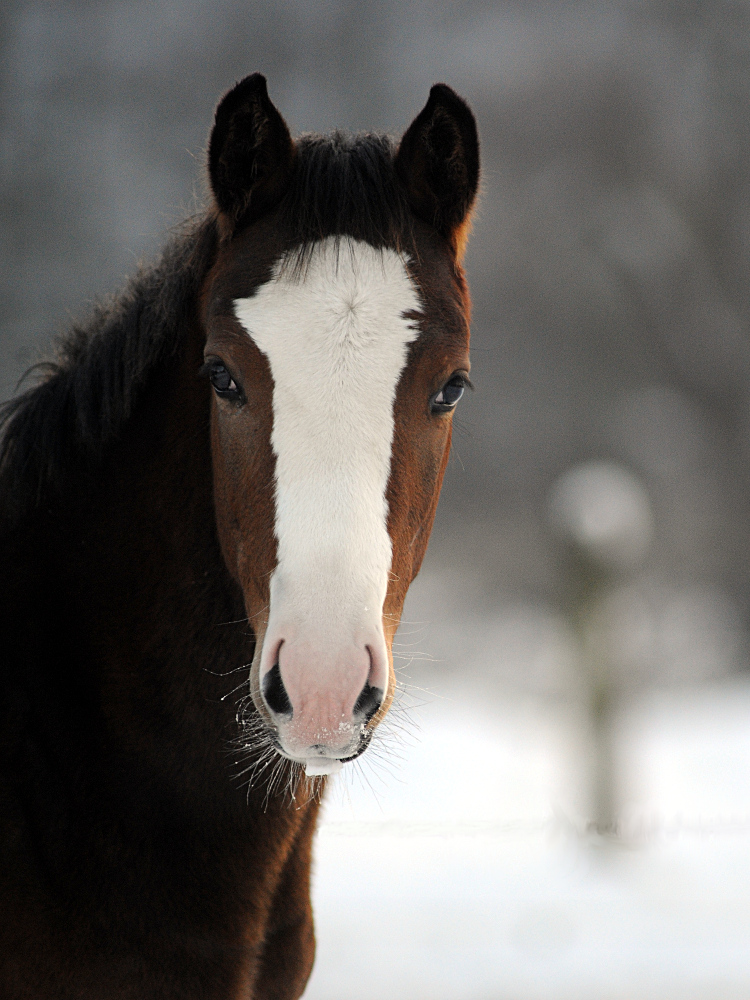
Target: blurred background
<point>560,804</point>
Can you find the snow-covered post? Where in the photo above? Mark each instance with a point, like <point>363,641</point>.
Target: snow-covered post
<point>601,512</point>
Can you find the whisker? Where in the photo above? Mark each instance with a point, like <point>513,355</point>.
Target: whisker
<point>234,690</point>
<point>226,673</point>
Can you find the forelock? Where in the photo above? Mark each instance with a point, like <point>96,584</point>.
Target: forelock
<point>347,186</point>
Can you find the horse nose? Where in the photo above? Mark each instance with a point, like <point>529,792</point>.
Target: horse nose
<point>277,699</point>
<point>320,699</point>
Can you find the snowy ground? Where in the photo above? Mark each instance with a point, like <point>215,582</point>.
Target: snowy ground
<point>466,872</point>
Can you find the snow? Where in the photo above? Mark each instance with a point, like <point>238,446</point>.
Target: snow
<point>468,871</point>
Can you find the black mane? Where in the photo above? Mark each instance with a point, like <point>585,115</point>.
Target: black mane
<point>341,186</point>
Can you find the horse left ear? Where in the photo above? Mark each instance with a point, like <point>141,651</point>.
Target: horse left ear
<point>438,163</point>
<point>250,153</point>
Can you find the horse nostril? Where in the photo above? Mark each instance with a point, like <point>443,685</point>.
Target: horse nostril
<point>274,693</point>
<point>369,701</point>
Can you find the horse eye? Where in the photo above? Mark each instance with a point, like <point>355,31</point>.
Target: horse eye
<point>449,395</point>
<point>221,380</point>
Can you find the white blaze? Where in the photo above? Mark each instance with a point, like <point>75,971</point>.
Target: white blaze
<point>336,339</point>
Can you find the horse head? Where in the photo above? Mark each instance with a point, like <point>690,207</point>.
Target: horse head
<point>337,337</point>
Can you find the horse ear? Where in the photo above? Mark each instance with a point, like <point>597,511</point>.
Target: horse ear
<point>438,163</point>
<point>250,153</point>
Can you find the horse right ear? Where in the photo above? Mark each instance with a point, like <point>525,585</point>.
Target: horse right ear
<point>438,164</point>
<point>250,153</point>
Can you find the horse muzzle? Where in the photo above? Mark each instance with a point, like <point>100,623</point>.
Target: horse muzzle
<point>321,698</point>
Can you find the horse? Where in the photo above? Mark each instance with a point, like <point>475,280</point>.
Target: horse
<point>215,496</point>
